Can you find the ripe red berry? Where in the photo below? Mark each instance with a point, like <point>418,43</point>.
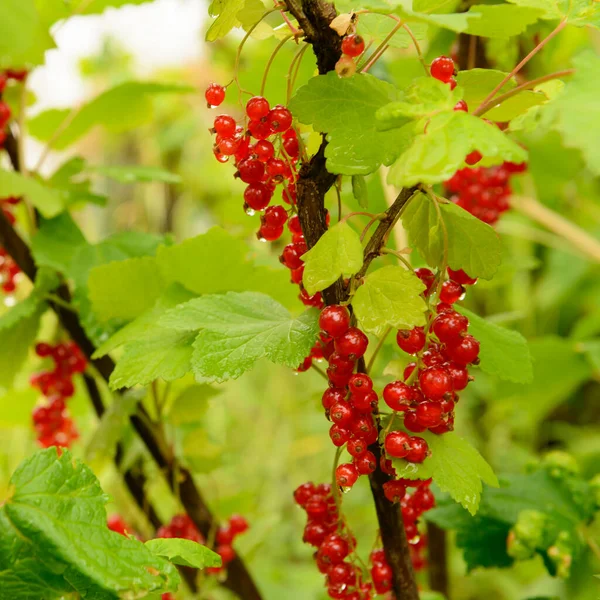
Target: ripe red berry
<point>269,233</point>
<point>451,292</point>
<point>419,450</point>
<point>42,349</point>
<point>461,106</point>
<point>366,463</point>
<point>226,552</point>
<point>473,157</point>
<point>331,396</point>
<point>353,45</point>
<point>4,114</point>
<point>291,255</point>
<point>382,577</point>
<point>224,535</point>
<point>341,574</point>
<point>303,493</point>
<point>460,376</point>
<point>356,447</point>
<point>360,383</point>
<point>238,524</point>
<point>251,170</point>
<point>275,216</point>
<point>341,364</point>
<point>442,68</point>
<point>427,277</point>
<point>411,341</point>
<point>314,533</point>
<point>214,94</point>
<point>411,423</point>
<point>341,413</point>
<point>461,277</point>
<point>279,118</point>
<point>334,320</point>
<point>264,150</point>
<point>394,490</point>
<point>3,81</point>
<point>224,125</point>
<point>397,444</point>
<point>257,108</point>
<point>450,325</point>
<point>435,382</point>
<point>429,414</point>
<point>353,343</point>
<point>335,548</point>
<point>397,395</point>
<point>346,475</point>
<point>364,403</point>
<point>463,351</point>
<point>338,435</point>
<point>337,378</point>
<point>257,196</point>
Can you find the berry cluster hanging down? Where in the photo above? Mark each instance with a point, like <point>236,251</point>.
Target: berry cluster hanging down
<point>51,420</point>
<point>335,545</point>
<point>353,45</point>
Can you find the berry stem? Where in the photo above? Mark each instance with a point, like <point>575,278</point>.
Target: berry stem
<point>293,71</point>
<point>483,108</point>
<point>319,371</point>
<point>377,349</point>
<point>417,47</point>
<point>399,256</point>
<point>379,51</point>
<point>279,46</point>
<point>510,75</point>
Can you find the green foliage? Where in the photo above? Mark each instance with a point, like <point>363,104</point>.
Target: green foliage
<point>389,297</point>
<point>121,108</point>
<point>236,329</point>
<point>51,11</point>
<point>503,352</point>
<point>134,174</point>
<point>575,12</point>
<point>184,552</point>
<point>337,253</point>
<point>471,244</point>
<point>226,13</point>
<point>455,466</point>
<point>54,535</point>
<point>49,202</point>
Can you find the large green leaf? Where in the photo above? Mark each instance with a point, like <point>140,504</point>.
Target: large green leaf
<point>472,244</point>
<point>345,108</point>
<point>456,467</point>
<point>500,21</point>
<point>121,108</point>
<point>48,201</point>
<point>184,552</point>
<point>575,12</point>
<point>239,328</point>
<point>51,11</point>
<point>55,520</point>
<point>338,252</point>
<point>504,352</point>
<point>390,297</point>
<point>134,173</point>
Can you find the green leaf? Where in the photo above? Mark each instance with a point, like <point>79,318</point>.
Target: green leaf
<point>503,352</point>
<point>478,83</point>
<point>345,108</point>
<point>54,10</point>
<point>184,552</point>
<point>56,514</point>
<point>23,37</point>
<point>576,12</point>
<point>360,190</point>
<point>456,467</point>
<point>109,431</point>
<point>48,201</point>
<point>472,244</point>
<point>577,110</point>
<point>238,329</point>
<point>191,405</point>
<point>226,12</point>
<point>337,253</point>
<point>55,242</point>
<point>121,108</point>
<point>229,268</point>
<point>378,27</point>
<point>500,21</point>
<point>484,543</point>
<point>447,138</point>
<point>134,174</point>
<point>389,297</point>
<point>591,350</point>
<point>163,354</point>
<point>124,289</point>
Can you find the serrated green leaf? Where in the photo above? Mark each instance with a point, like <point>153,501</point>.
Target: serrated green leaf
<point>472,244</point>
<point>57,515</point>
<point>163,354</point>
<point>184,552</point>
<point>360,190</point>
<point>378,27</point>
<point>134,173</point>
<point>484,543</point>
<point>345,108</point>
<point>229,268</point>
<point>23,37</point>
<point>109,431</point>
<point>121,108</point>
<point>337,253</point>
<point>124,289</point>
<point>456,468</point>
<point>48,201</point>
<point>389,297</point>
<point>446,139</point>
<point>238,329</point>
<point>500,21</point>
<point>226,12</point>
<point>503,352</point>
<point>576,12</point>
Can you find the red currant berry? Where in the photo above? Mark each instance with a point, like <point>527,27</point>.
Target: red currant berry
<point>275,167</point>
<point>411,341</point>
<point>226,552</point>
<point>334,320</point>
<point>303,493</point>
<point>461,277</point>
<point>269,233</point>
<point>257,196</point>
<point>460,376</point>
<point>224,535</point>
<point>360,383</point>
<point>279,118</point>
<point>427,277</point>
<point>442,68</point>
<point>275,216</point>
<point>435,382</point>
<point>408,370</point>
<point>291,256</point>
<point>43,350</point>
<point>411,423</point>
<point>346,475</point>
<point>461,106</point>
<point>292,148</point>
<point>257,108</point>
<point>429,414</point>
<point>463,351</point>
<point>419,450</point>
<point>353,343</point>
<point>473,157</point>
<point>382,577</point>
<point>394,490</point>
<point>353,45</point>
<point>341,413</point>
<point>224,126</point>
<point>451,292</point>
<point>397,395</point>
<point>332,396</point>
<point>214,94</point>
<point>356,447</point>
<point>366,464</point>
<point>338,435</point>
<point>260,130</point>
<point>251,170</point>
<point>341,574</point>
<point>345,67</point>
<point>364,403</point>
<point>397,444</point>
<point>450,325</point>
<point>264,150</point>
<point>314,534</point>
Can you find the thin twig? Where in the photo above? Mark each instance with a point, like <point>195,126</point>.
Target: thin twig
<point>378,348</point>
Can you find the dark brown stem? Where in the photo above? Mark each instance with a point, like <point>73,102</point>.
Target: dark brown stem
<point>438,560</point>
<point>238,578</point>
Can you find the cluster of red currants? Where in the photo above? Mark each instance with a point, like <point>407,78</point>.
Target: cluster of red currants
<point>484,192</point>
<point>428,394</point>
<point>269,162</point>
<point>181,526</point>
<point>9,270</point>
<point>4,108</point>
<point>353,45</point>
<point>334,543</point>
<point>52,422</point>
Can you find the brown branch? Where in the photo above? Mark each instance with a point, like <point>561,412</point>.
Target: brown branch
<point>438,559</point>
<point>238,578</point>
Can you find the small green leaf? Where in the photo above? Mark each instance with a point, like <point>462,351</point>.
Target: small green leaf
<point>360,190</point>
<point>337,253</point>
<point>389,297</point>
<point>121,108</point>
<point>134,173</point>
<point>124,289</point>
<point>48,201</point>
<point>456,467</point>
<point>503,352</point>
<point>184,552</point>
<point>56,515</point>
<point>472,244</point>
<point>238,329</point>
<point>446,139</point>
<point>345,108</point>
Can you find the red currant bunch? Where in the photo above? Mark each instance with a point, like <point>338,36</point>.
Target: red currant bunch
<point>224,539</point>
<point>9,272</point>
<point>181,526</point>
<point>117,524</point>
